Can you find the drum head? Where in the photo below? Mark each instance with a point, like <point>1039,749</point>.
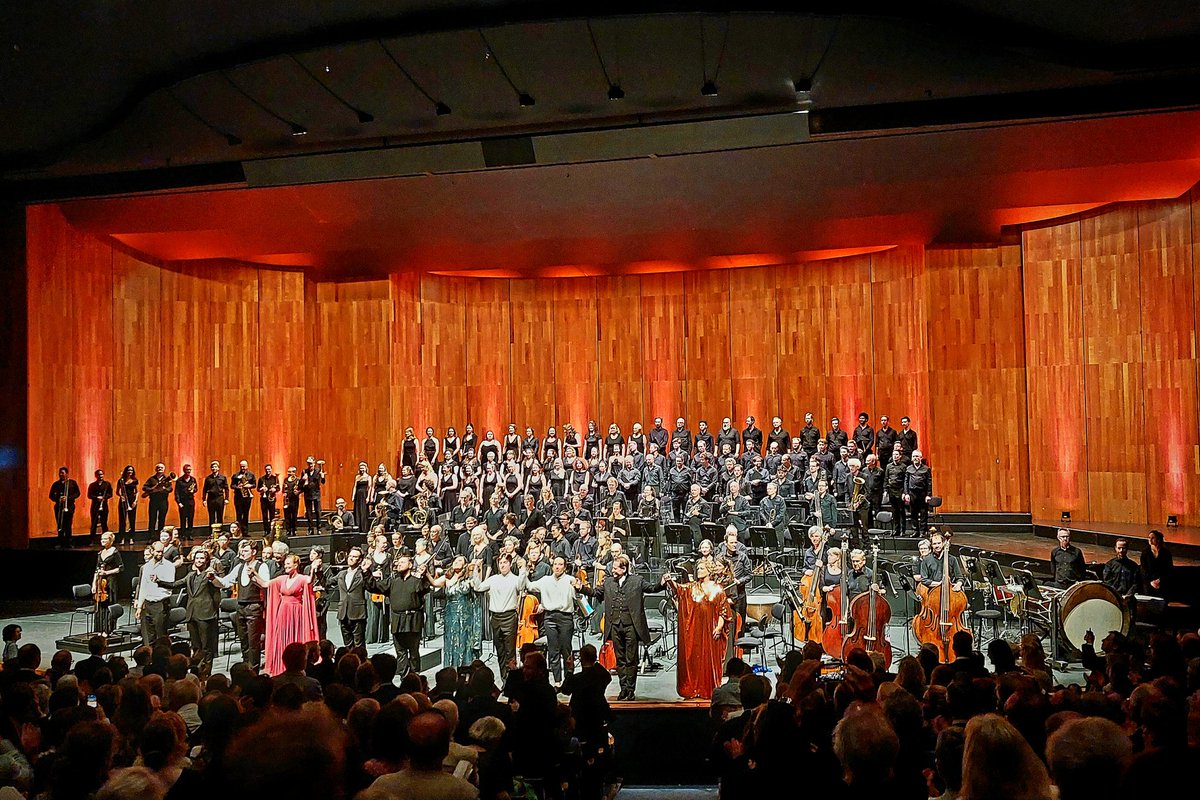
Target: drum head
<point>1091,605</point>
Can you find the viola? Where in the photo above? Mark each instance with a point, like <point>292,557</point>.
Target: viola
<point>871,612</point>
<point>942,609</point>
<point>102,594</point>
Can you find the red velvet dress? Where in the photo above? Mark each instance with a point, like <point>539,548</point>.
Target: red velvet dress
<point>701,657</point>
<point>291,617</point>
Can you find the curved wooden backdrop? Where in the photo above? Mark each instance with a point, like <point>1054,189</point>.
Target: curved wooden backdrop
<point>1054,372</point>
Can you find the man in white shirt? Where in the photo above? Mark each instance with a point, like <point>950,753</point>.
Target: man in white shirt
<point>249,621</point>
<point>503,590</point>
<point>558,601</point>
<point>150,605</point>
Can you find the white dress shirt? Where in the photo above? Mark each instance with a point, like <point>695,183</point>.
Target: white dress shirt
<point>150,591</point>
<point>502,590</point>
<point>557,593</point>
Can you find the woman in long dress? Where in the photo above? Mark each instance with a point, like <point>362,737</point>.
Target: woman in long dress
<point>463,639</point>
<point>704,617</point>
<point>291,612</point>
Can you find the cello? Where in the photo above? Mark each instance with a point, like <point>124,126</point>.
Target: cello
<point>810,614</point>
<point>871,612</point>
<point>607,657</point>
<point>841,625</point>
<point>942,610</point>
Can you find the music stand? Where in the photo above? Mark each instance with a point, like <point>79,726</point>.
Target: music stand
<point>647,531</point>
<point>677,540</point>
<point>713,531</point>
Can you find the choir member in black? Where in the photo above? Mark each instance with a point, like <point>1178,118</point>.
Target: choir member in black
<point>773,458</point>
<point>466,509</point>
<point>736,510</point>
<point>451,446</point>
<point>100,493</point>
<point>931,566</point>
<point>614,443</point>
<point>895,475</point>
<point>825,458</point>
<point>824,504</point>
<point>530,518</point>
<point>679,482</point>
<point>706,475</point>
<point>629,479</point>
<point>918,490</point>
<point>1121,573</point>
<point>885,440</point>
<point>244,482</point>
<point>772,512</point>
<point>836,437</point>
<point>864,435</point>
<point>364,493</point>
<point>408,449</point>
<point>185,500</point>
<point>405,590</point>
<point>638,437</point>
<point>1066,562</point>
<point>779,435</point>
<point>752,437</point>
<point>268,489</point>
<point>841,475</point>
<point>907,438</point>
<point>703,435</point>
<point>756,480</point>
<point>291,501</point>
<point>216,494</point>
<point>512,443</point>
<point>809,435</point>
<point>448,485</point>
<point>321,578</point>
<point>512,487</point>
<point>552,446</point>
<point>681,437</point>
<point>104,584</point>
<point>343,520</point>
<point>430,446</point>
<point>728,435</point>
<point>624,596</point>
<point>352,600</point>
<point>203,607</point>
<point>470,442</point>
<point>653,475</point>
<point>311,481</point>
<point>127,493</point>
<point>873,475</point>
<point>1157,566</point>
<point>659,435</point>
<point>249,622</point>
<point>439,548</point>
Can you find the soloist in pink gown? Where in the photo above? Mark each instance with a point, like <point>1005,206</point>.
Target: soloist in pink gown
<point>291,617</point>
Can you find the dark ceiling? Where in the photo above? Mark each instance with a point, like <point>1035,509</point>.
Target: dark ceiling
<point>917,116</point>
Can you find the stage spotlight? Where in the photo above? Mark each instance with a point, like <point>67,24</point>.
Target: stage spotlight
<point>298,129</point>
<point>441,109</point>
<point>709,89</point>
<point>1172,521</point>
<point>615,92</point>
<point>525,99</point>
<point>1066,518</point>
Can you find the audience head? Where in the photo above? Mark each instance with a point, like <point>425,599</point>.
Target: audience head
<point>998,764</point>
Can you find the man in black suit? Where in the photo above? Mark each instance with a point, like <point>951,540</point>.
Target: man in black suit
<point>352,603</point>
<point>63,493</point>
<point>203,608</point>
<point>311,481</point>
<point>624,597</point>
<point>100,492</point>
<point>216,494</point>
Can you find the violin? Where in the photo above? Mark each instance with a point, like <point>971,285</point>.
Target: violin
<point>871,613</point>
<point>841,624</point>
<point>942,609</point>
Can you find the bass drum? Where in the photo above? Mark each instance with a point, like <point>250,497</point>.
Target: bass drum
<point>1090,605</point>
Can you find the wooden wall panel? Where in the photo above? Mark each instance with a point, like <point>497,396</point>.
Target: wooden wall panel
<point>753,346</point>
<point>1168,348</point>
<point>489,373</point>
<point>575,353</point>
<point>1055,375</point>
<point>708,392</point>
<point>801,344</point>
<point>283,352</point>
<point>977,378</point>
<point>663,347</point>
<point>1113,369</point>
<point>410,389</point>
<point>619,359</point>
<point>900,345</point>
<point>846,301</point>
<point>531,354</point>
<point>444,353</point>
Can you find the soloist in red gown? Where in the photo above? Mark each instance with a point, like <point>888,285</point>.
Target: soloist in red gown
<point>701,657</point>
<point>291,617</point>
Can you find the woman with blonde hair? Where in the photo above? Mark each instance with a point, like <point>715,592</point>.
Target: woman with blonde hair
<point>998,764</point>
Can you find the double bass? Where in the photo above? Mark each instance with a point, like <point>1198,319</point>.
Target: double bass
<point>871,612</point>
<point>942,609</point>
<point>841,624</point>
<point>811,611</point>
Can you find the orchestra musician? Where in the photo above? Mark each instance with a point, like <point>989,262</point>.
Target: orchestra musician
<point>244,484</point>
<point>268,488</point>
<point>772,512</point>
<point>1066,562</point>
<point>931,567</point>
<point>127,500</point>
<point>894,477</point>
<point>104,583</point>
<point>343,520</point>
<point>63,493</point>
<point>320,577</point>
<point>185,499</point>
<point>824,505</point>
<point>648,507</point>
<point>100,493</point>
<point>158,489</point>
<point>860,511</point>
<point>1121,573</point>
<point>291,501</point>
<point>736,558</point>
<point>918,489</point>
<point>736,509</point>
<point>1157,566</point>
<point>216,494</point>
<point>311,481</point>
